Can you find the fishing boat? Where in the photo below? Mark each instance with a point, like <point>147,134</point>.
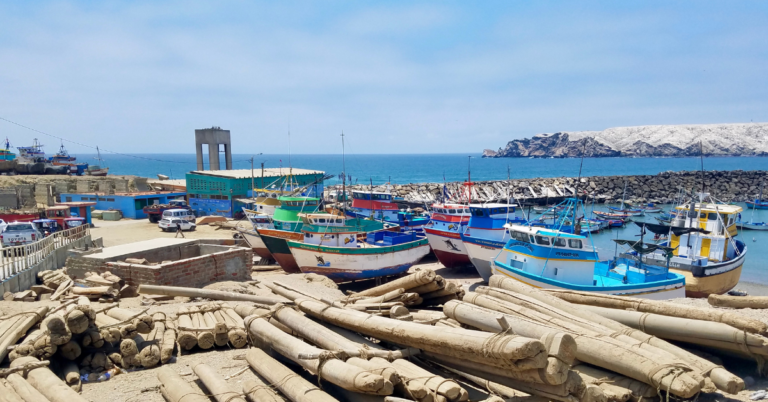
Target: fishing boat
<point>380,206</point>
<point>63,158</point>
<point>252,237</point>
<point>33,153</point>
<point>485,236</point>
<point>704,247</point>
<point>348,249</point>
<point>6,154</point>
<point>758,204</point>
<point>556,258</point>
<point>444,234</point>
<point>97,170</point>
<point>287,226</point>
<point>627,211</point>
<point>613,215</point>
<point>752,225</point>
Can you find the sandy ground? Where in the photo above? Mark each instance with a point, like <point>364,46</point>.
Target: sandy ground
<point>142,385</point>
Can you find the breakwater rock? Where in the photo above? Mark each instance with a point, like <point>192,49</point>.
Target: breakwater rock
<point>727,186</point>
<point>742,139</point>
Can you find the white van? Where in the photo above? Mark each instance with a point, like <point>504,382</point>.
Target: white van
<point>183,214</point>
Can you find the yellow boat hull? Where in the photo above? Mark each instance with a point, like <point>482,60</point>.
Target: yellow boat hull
<point>714,284</point>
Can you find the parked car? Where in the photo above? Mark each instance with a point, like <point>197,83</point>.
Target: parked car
<point>19,234</point>
<point>179,213</point>
<point>170,224</point>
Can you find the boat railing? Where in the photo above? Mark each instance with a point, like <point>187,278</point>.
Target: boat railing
<point>14,260</point>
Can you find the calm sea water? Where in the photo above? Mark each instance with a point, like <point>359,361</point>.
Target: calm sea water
<point>414,168</point>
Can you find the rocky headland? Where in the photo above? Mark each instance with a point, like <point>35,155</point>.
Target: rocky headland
<point>742,139</point>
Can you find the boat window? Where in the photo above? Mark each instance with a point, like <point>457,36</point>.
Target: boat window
<point>574,243</point>
<point>712,216</point>
<point>322,220</point>
<point>693,214</point>
<point>520,237</point>
<point>451,211</point>
<point>531,237</point>
<point>544,241</point>
<point>560,242</point>
<point>338,221</point>
<point>477,212</point>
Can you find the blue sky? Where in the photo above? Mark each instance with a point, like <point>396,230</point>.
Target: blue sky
<point>396,76</point>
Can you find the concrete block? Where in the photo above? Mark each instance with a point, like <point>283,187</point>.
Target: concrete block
<point>62,187</point>
<point>83,186</point>
<point>121,185</point>
<point>105,186</point>
<point>9,200</point>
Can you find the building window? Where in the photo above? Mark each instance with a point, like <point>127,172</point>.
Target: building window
<point>110,200</point>
<point>69,199</point>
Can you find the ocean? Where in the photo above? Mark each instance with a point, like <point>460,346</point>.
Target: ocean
<point>420,168</point>
<point>416,168</point>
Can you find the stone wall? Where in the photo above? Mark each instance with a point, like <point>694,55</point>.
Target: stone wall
<point>728,186</point>
<point>45,190</point>
<point>234,263</point>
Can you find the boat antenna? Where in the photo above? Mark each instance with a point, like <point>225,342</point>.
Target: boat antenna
<point>343,177</point>
<point>581,165</point>
<point>701,156</point>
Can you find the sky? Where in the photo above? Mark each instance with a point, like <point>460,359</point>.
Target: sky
<point>394,76</point>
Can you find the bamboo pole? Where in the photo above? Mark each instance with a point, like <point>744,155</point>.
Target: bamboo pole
<point>8,394</point>
<point>143,321</point>
<point>285,380</point>
<point>758,302</point>
<point>169,341</point>
<point>47,383</point>
<point>207,294</point>
<point>328,368</point>
<point>25,390</point>
<point>18,328</point>
<point>598,350</point>
<point>515,291</point>
<point>203,331</point>
<point>407,282</point>
<point>216,384</point>
<point>507,351</point>
<point>176,389</point>
<point>663,308</point>
<point>220,335</point>
<point>238,338</point>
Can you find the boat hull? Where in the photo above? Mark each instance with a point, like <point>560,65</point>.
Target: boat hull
<point>257,244</point>
<point>481,253</point>
<point>752,226</point>
<point>650,291</point>
<point>276,242</point>
<point>448,248</point>
<point>717,284</point>
<point>344,264</point>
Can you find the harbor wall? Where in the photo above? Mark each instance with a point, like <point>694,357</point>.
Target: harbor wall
<point>662,188</point>
<point>32,191</point>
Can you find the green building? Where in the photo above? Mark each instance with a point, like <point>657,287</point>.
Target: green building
<point>213,192</point>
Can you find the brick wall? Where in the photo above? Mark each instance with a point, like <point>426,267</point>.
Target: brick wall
<point>231,265</point>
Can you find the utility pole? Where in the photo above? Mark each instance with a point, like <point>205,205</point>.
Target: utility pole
<point>262,174</point>
<point>252,189</point>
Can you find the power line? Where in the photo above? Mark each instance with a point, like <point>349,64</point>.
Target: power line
<point>102,149</point>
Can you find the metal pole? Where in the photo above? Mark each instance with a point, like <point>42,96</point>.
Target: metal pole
<point>252,177</point>
<point>262,174</point>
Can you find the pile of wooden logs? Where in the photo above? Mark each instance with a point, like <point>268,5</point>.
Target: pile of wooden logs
<point>57,285</point>
<point>214,324</point>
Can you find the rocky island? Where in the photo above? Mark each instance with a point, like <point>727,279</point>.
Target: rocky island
<point>740,139</point>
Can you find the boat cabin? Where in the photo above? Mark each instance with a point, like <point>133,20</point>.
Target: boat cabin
<point>551,254</point>
<point>491,216</point>
<point>717,245</point>
<point>372,196</point>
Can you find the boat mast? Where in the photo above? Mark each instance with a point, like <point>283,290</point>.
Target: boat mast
<point>343,177</point>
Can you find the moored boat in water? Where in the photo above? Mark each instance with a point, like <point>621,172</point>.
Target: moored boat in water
<point>486,235</point>
<point>554,258</point>
<point>380,206</point>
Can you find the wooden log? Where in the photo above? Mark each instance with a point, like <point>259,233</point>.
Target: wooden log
<point>600,351</point>
<point>328,368</point>
<point>142,321</point>
<point>70,373</point>
<point>177,389</point>
<point>382,298</point>
<point>186,339</point>
<point>257,390</point>
<point>238,338</point>
<point>8,394</point>
<point>25,390</point>
<point>203,332</point>
<point>759,302</point>
<point>149,351</point>
<point>56,325</point>
<point>126,330</point>
<point>17,328</point>
<point>36,344</point>
<point>437,284</point>
<point>703,333</point>
<point>492,387</point>
<point>207,294</point>
<point>169,341</point>
<point>612,392</point>
<point>449,389</point>
<point>96,291</point>
<point>450,289</point>
<point>407,282</point>
<point>220,338</point>
<point>47,383</point>
<point>639,390</point>
<point>285,380</point>
<point>507,351</point>
<point>514,291</point>
<point>216,384</point>
<point>663,308</point>
<point>376,365</point>
<point>70,350</point>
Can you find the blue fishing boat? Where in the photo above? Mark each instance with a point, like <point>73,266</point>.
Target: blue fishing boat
<point>63,158</point>
<point>380,206</point>
<point>558,258</point>
<point>485,234</point>
<point>6,154</point>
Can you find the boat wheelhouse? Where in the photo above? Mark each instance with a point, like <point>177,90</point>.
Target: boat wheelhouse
<point>380,206</point>
<point>287,226</point>
<point>348,249</point>
<point>6,154</point>
<point>705,250</point>
<point>554,259</point>
<point>444,230</point>
<point>33,153</point>
<point>485,234</point>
